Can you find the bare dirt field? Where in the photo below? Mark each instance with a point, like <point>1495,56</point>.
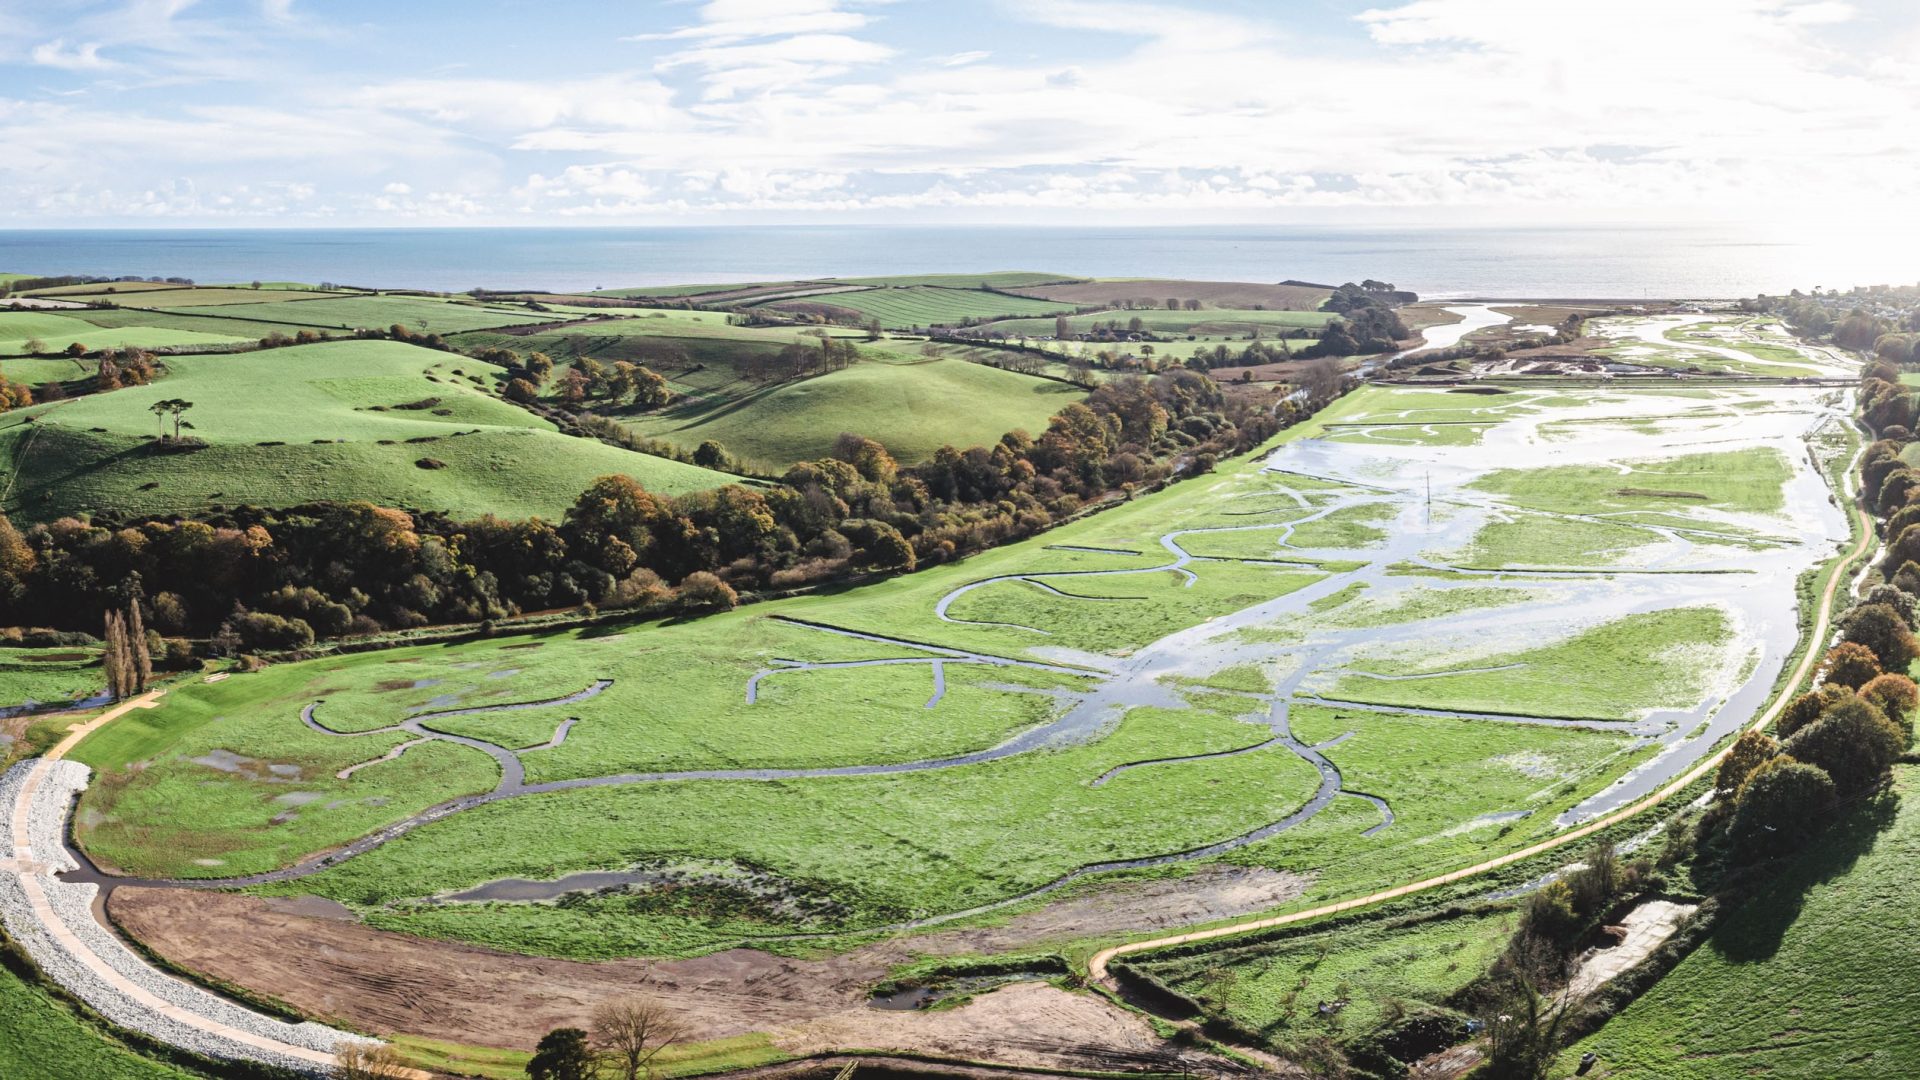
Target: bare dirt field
<point>385,982</point>
<point>1214,294</point>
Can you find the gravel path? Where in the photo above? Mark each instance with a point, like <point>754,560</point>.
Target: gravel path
<point>53,922</point>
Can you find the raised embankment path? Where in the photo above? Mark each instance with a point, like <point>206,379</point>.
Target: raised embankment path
<point>53,922</point>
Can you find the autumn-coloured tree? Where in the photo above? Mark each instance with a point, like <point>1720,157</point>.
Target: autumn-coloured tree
<point>1849,664</point>
<point>1748,752</point>
<point>1896,695</point>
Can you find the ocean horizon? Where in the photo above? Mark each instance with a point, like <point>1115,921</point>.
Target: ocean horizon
<point>1439,262</point>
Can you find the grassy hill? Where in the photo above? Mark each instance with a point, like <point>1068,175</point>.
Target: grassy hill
<point>1812,977</point>
<point>337,420</point>
<point>151,294</point>
<point>922,305</point>
<point>913,408</point>
<point>1208,323</point>
<point>234,320</point>
<point>1156,291</point>
<point>377,312</point>
<point>57,331</point>
<point>994,279</point>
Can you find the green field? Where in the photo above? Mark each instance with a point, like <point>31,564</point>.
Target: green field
<point>225,324</point>
<point>1746,480</point>
<point>993,279</point>
<point>1381,969</point>
<point>1212,324</point>
<point>997,279</point>
<point>333,431</point>
<point>1209,650</point>
<point>44,1039</point>
<point>924,305</point>
<point>375,312</point>
<point>1615,671</point>
<point>47,675</point>
<point>57,331</point>
<point>188,297</point>
<point>35,370</point>
<point>912,407</point>
<point>1805,979</point>
<point>104,287</point>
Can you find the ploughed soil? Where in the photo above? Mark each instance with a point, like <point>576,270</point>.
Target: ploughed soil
<point>338,969</point>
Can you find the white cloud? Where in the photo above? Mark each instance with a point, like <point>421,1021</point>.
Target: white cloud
<point>83,57</point>
<point>739,20</point>
<point>803,107</point>
<point>730,70</point>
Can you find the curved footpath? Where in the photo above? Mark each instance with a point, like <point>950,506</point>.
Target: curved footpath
<point>1097,964</point>
<point>53,922</point>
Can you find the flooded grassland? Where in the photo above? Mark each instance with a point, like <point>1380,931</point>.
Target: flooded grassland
<point>1427,627</point>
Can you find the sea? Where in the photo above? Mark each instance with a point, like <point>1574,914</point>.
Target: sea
<point>1613,262</point>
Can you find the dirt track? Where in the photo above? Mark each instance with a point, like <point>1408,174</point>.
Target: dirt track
<point>386,982</point>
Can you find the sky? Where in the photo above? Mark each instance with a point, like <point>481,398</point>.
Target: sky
<point>522,112</point>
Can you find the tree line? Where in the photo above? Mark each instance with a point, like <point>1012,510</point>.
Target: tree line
<point>261,579</point>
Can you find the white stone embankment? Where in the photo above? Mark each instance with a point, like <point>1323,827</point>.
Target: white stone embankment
<point>53,922</point>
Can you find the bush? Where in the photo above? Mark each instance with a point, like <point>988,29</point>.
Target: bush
<point>1781,806</point>
<point>264,630</point>
<point>702,591</point>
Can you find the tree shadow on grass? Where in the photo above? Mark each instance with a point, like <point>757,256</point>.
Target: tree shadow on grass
<point>1753,932</point>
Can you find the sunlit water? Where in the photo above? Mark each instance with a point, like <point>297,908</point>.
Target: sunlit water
<point>1625,263</point>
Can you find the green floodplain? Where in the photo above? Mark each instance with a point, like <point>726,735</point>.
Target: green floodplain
<point>1186,650</point>
<point>1377,649</point>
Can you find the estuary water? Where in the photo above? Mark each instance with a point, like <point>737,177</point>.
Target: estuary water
<point>1615,262</point>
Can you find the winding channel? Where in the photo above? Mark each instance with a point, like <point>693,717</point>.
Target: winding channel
<point>1679,571</point>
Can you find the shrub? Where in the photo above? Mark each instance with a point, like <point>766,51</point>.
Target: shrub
<point>264,630</point>
<point>701,590</point>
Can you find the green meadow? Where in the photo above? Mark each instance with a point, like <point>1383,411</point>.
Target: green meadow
<point>925,305</point>
<point>1382,970</point>
<point>191,297</point>
<point>43,1038</point>
<point>1210,323</point>
<point>893,846</point>
<point>912,407</point>
<point>57,331</point>
<point>49,675</point>
<point>417,314</point>
<point>1808,978</point>
<point>341,420</point>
